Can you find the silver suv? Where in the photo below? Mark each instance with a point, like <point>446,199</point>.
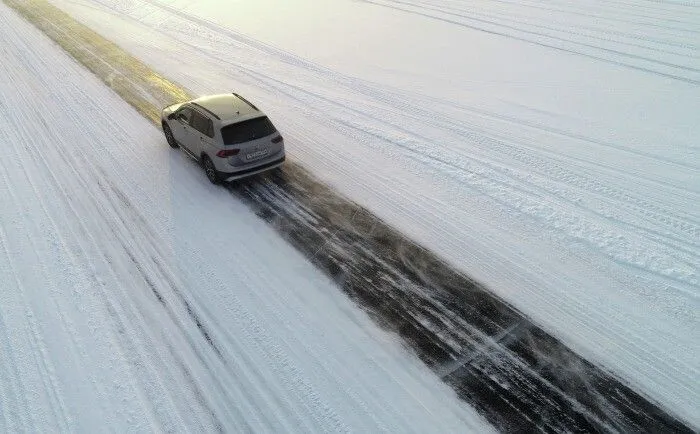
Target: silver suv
<point>227,134</point>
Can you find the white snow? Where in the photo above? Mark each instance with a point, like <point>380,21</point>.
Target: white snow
<point>111,243</point>
<point>547,148</point>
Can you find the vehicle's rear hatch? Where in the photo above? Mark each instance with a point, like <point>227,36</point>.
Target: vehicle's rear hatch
<point>254,137</point>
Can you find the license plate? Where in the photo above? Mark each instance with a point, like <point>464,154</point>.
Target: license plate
<point>257,154</point>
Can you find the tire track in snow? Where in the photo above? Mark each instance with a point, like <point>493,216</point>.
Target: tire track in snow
<point>571,8</point>
<point>440,313</point>
<point>59,248</point>
<point>140,225</point>
<point>13,395</point>
<point>122,237</point>
<point>41,361</point>
<point>74,217</point>
<point>168,276</point>
<point>10,377</point>
<point>550,41</point>
<point>36,338</point>
<point>58,233</point>
<point>86,231</point>
<point>601,35</point>
<point>606,7</point>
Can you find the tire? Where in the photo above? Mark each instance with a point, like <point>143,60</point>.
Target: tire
<point>169,136</point>
<point>210,170</point>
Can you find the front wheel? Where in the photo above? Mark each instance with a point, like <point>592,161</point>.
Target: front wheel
<point>169,136</point>
<point>210,170</point>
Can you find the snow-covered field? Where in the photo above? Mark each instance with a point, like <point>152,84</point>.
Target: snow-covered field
<point>547,148</point>
<point>135,297</point>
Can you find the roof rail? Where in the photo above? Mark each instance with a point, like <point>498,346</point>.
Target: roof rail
<point>245,101</point>
<point>206,110</point>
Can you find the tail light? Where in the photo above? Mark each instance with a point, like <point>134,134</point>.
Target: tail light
<point>277,139</point>
<point>227,153</point>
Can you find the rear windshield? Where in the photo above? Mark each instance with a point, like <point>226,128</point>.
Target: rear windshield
<point>247,130</point>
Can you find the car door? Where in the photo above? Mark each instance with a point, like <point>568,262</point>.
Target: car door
<point>202,133</point>
<point>181,127</point>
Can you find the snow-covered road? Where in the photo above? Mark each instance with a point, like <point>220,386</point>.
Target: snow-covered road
<point>548,149</point>
<point>514,373</point>
<point>136,297</point>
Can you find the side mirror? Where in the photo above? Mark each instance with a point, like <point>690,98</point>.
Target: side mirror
<point>171,116</point>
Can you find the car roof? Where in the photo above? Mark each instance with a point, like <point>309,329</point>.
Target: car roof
<point>228,107</point>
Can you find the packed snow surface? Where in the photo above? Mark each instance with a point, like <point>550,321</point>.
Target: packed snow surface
<point>137,297</point>
<point>547,148</point>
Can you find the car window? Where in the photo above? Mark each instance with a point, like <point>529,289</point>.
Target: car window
<point>247,130</point>
<point>201,123</point>
<point>184,114</point>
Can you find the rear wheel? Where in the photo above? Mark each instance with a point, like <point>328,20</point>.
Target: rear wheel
<point>169,136</point>
<point>210,170</point>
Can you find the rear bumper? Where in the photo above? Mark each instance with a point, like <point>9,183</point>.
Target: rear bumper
<point>232,176</point>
